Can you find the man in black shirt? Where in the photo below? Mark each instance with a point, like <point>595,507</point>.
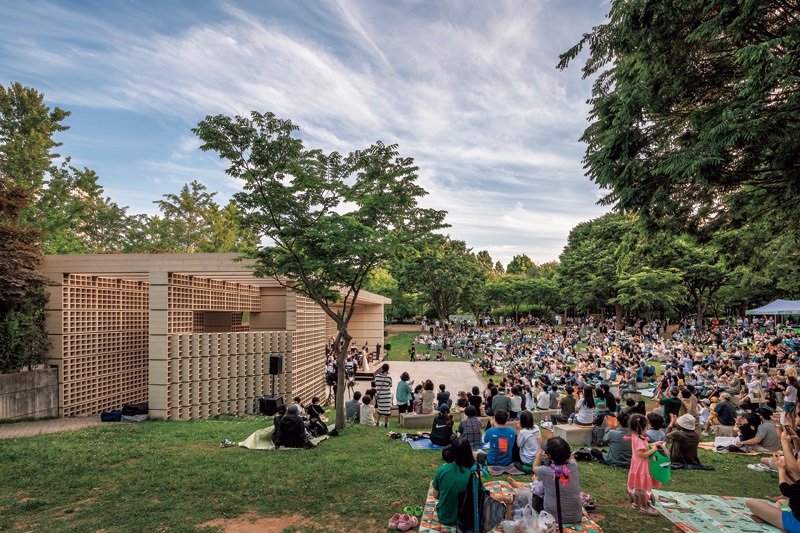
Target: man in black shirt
<point>726,413</point>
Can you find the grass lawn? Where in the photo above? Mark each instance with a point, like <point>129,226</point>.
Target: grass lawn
<point>401,343</point>
<point>172,476</point>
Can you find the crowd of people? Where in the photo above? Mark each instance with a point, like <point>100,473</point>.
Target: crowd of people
<point>735,378</point>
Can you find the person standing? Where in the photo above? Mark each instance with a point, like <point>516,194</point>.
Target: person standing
<point>383,385</point>
<point>404,393</point>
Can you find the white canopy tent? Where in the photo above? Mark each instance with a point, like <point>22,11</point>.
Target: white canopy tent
<point>778,307</point>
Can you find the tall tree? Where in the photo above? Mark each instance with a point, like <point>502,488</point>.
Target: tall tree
<point>328,220</point>
<point>226,232</point>
<point>696,111</point>
<point>589,270</point>
<point>484,260</point>
<point>648,291</point>
<point>188,212</point>
<point>511,290</point>
<point>438,273</point>
<point>519,265</point>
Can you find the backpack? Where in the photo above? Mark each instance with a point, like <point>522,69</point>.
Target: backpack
<point>598,436</point>
<point>317,428</point>
<point>477,511</point>
<point>583,455</point>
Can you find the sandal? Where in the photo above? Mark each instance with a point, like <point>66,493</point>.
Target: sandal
<point>393,521</point>
<point>409,510</point>
<point>407,522</point>
<point>651,511</point>
<point>418,511</point>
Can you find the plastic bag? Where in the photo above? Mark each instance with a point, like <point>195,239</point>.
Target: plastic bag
<point>529,522</point>
<point>522,498</point>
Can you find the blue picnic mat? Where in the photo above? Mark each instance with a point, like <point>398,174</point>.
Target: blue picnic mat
<point>709,513</point>
<point>423,443</point>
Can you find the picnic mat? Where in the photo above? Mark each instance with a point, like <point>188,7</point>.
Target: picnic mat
<point>709,446</point>
<point>262,440</point>
<point>424,443</point>
<point>429,522</point>
<point>706,513</point>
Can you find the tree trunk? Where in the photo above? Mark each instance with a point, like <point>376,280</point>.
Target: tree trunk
<point>341,387</point>
<point>619,313</point>
<point>701,311</point>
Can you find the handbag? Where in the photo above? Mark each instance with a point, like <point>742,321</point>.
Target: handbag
<point>478,512</point>
<point>660,467</point>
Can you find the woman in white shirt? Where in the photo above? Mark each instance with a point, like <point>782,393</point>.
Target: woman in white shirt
<point>543,399</point>
<point>585,414</point>
<point>529,439</point>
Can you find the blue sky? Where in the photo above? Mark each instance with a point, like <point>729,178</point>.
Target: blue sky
<point>468,89</point>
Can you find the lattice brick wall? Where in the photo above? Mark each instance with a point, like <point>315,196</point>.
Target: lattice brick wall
<point>213,373</point>
<point>308,353</point>
<point>104,346</point>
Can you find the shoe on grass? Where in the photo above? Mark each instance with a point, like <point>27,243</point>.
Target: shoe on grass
<point>758,467</point>
<point>407,522</point>
<point>704,433</point>
<point>651,511</point>
<point>394,520</point>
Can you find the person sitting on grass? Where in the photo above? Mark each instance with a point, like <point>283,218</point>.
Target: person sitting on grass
<point>501,442</point>
<point>352,408</point>
<point>789,521</point>
<point>315,410</point>
<point>442,429</point>
<point>292,430</point>
<point>790,445</point>
<point>685,441</point>
<point>563,470</point>
<point>367,411</point>
<point>655,433</point>
<point>766,438</point>
<point>672,406</point>
<point>470,427</point>
<point>450,486</point>
<point>619,445</point>
<point>451,479</point>
<point>276,432</point>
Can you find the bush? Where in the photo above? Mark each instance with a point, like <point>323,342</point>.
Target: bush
<point>23,339</point>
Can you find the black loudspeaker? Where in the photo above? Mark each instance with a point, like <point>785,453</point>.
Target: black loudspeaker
<point>268,405</point>
<point>387,347</point>
<point>275,364</point>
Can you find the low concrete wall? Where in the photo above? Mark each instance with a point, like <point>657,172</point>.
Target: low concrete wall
<point>29,394</point>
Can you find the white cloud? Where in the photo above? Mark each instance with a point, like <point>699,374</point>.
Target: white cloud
<point>467,88</point>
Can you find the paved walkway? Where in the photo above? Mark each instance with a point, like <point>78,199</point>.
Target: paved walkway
<point>455,376</point>
<point>40,427</point>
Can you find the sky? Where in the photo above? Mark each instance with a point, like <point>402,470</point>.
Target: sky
<point>467,88</point>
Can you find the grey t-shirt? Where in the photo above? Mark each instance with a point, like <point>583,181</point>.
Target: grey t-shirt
<point>769,436</point>
<point>571,508</point>
<point>619,449</point>
<point>501,403</point>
